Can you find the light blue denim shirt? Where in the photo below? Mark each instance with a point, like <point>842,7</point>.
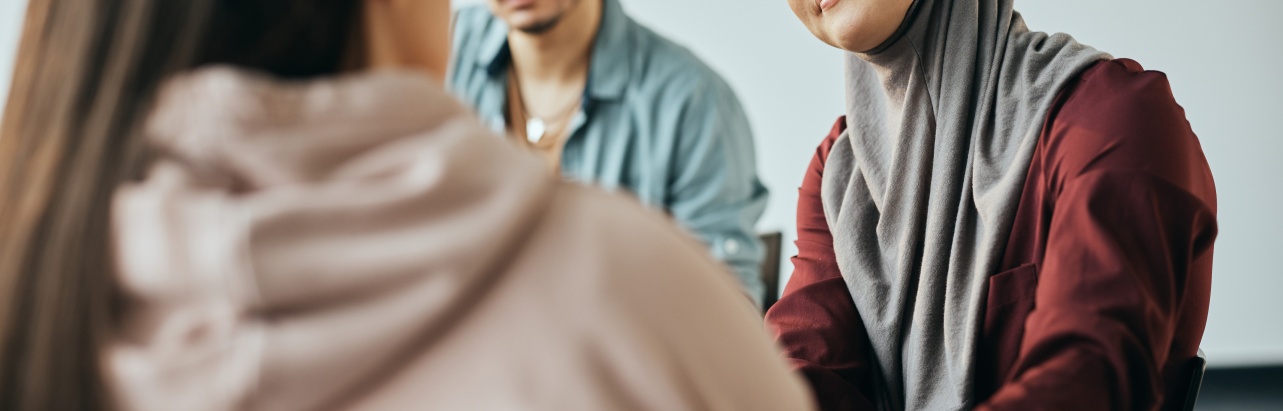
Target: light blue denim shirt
<point>655,121</point>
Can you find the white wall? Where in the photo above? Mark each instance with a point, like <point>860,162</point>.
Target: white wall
<point>10,23</point>
<point>1222,57</point>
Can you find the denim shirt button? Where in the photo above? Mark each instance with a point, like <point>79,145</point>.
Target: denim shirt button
<point>731,246</point>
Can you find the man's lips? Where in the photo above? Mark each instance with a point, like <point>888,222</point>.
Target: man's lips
<point>519,4</point>
<point>826,4</point>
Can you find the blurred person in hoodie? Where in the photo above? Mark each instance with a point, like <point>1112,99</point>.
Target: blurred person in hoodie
<point>274,205</point>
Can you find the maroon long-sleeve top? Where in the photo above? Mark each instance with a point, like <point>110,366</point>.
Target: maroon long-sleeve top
<point>1102,293</point>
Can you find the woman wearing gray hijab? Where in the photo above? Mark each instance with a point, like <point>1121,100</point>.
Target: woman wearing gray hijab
<point>1004,219</point>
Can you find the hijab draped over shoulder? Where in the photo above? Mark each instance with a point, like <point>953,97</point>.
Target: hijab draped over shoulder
<point>921,190</point>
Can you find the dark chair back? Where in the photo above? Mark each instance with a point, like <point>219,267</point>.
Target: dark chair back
<point>1183,387</point>
<point>1194,371</point>
<point>771,268</point>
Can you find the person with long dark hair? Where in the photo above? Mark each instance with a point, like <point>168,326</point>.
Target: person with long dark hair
<point>275,205</point>
<point>1003,220</point>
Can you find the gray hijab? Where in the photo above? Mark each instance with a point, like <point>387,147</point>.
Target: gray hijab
<point>921,190</point>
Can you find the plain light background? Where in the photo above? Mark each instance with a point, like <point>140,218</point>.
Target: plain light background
<point>1223,59</point>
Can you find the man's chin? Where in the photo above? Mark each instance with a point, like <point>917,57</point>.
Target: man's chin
<point>538,27</point>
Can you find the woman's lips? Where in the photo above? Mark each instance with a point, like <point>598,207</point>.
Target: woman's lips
<point>826,4</point>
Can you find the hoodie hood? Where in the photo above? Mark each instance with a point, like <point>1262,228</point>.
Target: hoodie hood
<point>267,196</point>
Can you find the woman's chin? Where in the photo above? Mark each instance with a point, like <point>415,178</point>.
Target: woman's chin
<point>851,40</point>
<point>854,27</point>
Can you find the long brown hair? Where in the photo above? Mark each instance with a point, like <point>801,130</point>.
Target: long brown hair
<point>85,76</point>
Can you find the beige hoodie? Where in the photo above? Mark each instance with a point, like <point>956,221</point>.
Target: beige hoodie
<point>364,244</point>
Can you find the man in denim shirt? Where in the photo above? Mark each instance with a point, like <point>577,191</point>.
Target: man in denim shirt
<point>610,102</point>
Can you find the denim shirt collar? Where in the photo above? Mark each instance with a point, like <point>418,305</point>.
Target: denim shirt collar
<point>610,64</point>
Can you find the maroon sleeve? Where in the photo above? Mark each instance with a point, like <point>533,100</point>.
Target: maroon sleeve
<point>1123,288</point>
<point>815,320</point>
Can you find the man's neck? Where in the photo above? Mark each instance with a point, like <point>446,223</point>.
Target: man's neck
<point>561,54</point>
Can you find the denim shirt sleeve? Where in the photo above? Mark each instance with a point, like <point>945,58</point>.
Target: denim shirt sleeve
<point>715,191</point>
